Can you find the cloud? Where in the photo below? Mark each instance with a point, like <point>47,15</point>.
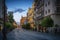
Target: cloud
<point>19,10</point>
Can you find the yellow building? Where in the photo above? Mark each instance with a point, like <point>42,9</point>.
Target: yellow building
<point>30,16</point>
<point>22,21</point>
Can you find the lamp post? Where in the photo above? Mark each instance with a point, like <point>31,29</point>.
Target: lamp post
<point>4,27</point>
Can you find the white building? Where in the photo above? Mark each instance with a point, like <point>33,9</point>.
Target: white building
<point>52,8</point>
<point>44,8</point>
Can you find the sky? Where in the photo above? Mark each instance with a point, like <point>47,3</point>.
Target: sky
<point>19,7</point>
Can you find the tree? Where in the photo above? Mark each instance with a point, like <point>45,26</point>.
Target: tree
<point>26,26</point>
<point>47,22</point>
<point>8,25</point>
<point>11,18</point>
<point>56,25</point>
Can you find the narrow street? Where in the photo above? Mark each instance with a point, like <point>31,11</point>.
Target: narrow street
<point>20,34</point>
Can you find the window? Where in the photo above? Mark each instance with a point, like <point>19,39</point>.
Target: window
<point>46,5</point>
<point>58,9</point>
<point>48,2</point>
<point>48,10</point>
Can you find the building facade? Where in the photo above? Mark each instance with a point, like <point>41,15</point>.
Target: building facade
<point>45,8</point>
<point>23,21</point>
<point>39,12</point>
<point>52,8</point>
<point>30,16</point>
<point>3,11</point>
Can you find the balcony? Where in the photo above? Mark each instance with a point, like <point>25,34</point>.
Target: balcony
<point>39,16</point>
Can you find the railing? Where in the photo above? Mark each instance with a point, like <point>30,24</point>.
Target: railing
<point>39,17</point>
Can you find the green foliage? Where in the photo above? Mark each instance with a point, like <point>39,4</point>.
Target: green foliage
<point>8,25</point>
<point>26,26</point>
<point>11,18</point>
<point>47,22</point>
<point>23,26</point>
<point>56,25</point>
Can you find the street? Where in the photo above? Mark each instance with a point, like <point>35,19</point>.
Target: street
<point>20,34</point>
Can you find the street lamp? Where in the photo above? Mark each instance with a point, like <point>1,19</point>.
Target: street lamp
<point>4,28</point>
